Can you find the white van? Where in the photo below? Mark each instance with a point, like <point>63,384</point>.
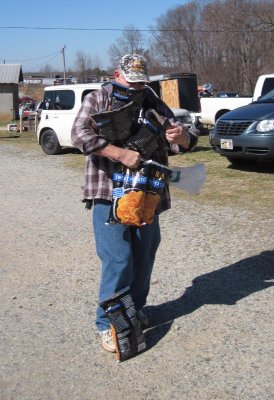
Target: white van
<point>60,107</point>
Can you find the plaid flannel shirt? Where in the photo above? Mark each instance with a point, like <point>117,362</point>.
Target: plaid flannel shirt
<point>99,170</point>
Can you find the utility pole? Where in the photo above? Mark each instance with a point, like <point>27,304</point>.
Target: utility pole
<point>64,63</point>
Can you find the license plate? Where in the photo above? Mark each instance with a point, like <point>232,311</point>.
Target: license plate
<point>227,144</point>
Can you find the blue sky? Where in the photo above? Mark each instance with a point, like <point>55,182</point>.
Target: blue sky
<point>44,46</point>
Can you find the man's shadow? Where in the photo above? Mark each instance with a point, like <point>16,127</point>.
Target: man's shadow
<point>224,286</point>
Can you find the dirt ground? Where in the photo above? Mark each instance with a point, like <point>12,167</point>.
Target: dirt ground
<point>211,299</point>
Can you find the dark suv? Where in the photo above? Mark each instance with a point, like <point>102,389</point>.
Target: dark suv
<point>246,133</point>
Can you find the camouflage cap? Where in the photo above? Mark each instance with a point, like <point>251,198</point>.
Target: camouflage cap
<point>134,68</point>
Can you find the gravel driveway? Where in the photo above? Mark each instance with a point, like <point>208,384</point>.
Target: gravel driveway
<point>211,300</point>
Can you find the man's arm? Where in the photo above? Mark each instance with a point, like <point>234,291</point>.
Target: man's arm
<point>84,133</point>
<point>129,158</point>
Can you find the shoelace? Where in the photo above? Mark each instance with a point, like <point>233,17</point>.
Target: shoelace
<point>107,335</point>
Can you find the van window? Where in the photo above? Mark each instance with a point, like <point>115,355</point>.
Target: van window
<point>59,100</point>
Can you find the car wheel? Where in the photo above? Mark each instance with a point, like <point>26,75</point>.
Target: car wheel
<point>50,143</point>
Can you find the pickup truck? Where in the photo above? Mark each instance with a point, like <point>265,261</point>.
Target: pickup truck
<point>213,108</point>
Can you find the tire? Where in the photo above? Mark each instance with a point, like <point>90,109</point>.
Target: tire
<point>49,142</point>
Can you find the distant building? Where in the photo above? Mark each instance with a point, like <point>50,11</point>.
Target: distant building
<point>10,77</point>
<point>38,80</point>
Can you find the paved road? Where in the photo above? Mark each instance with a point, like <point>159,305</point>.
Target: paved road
<point>211,300</point>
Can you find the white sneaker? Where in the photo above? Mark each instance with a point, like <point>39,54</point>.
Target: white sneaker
<point>108,341</point>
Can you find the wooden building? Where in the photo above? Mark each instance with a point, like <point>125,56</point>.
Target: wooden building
<point>10,77</point>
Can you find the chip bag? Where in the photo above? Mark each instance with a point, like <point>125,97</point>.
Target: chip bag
<point>129,192</point>
<point>158,177</point>
<point>137,192</point>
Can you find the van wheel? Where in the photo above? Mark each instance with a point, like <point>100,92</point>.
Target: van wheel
<point>50,143</point>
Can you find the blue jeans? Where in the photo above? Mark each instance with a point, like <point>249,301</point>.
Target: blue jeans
<point>127,255</point>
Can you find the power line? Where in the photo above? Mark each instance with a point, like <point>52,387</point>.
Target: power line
<point>133,30</point>
<point>38,58</point>
<point>46,62</point>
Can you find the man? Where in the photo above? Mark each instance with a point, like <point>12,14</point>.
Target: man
<point>127,253</point>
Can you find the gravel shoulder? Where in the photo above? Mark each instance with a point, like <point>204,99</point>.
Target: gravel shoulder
<point>211,299</point>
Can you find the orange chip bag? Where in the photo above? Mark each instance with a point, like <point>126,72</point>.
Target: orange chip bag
<point>150,205</point>
<point>129,191</point>
<point>130,207</point>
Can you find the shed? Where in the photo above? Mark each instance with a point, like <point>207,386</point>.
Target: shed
<point>10,77</point>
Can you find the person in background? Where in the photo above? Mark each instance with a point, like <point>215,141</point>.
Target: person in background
<point>127,253</point>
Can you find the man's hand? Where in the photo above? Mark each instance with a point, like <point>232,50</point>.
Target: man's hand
<point>178,134</point>
<point>129,158</point>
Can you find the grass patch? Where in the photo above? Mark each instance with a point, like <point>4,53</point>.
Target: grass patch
<point>250,187</point>
<point>25,139</point>
<point>9,135</point>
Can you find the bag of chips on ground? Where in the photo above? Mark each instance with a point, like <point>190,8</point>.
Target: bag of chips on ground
<point>126,329</point>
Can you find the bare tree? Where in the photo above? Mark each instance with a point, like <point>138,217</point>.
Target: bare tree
<point>265,22</point>
<point>131,41</point>
<point>83,63</point>
<point>96,62</point>
<point>243,43</point>
<point>265,16</point>
<point>175,40</point>
<point>226,42</point>
<point>47,70</point>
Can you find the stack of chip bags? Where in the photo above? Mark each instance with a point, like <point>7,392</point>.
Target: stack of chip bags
<point>137,192</point>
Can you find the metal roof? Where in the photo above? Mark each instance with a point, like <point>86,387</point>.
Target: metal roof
<point>11,73</point>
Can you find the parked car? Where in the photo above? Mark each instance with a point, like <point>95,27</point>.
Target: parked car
<point>246,133</point>
<point>60,107</point>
